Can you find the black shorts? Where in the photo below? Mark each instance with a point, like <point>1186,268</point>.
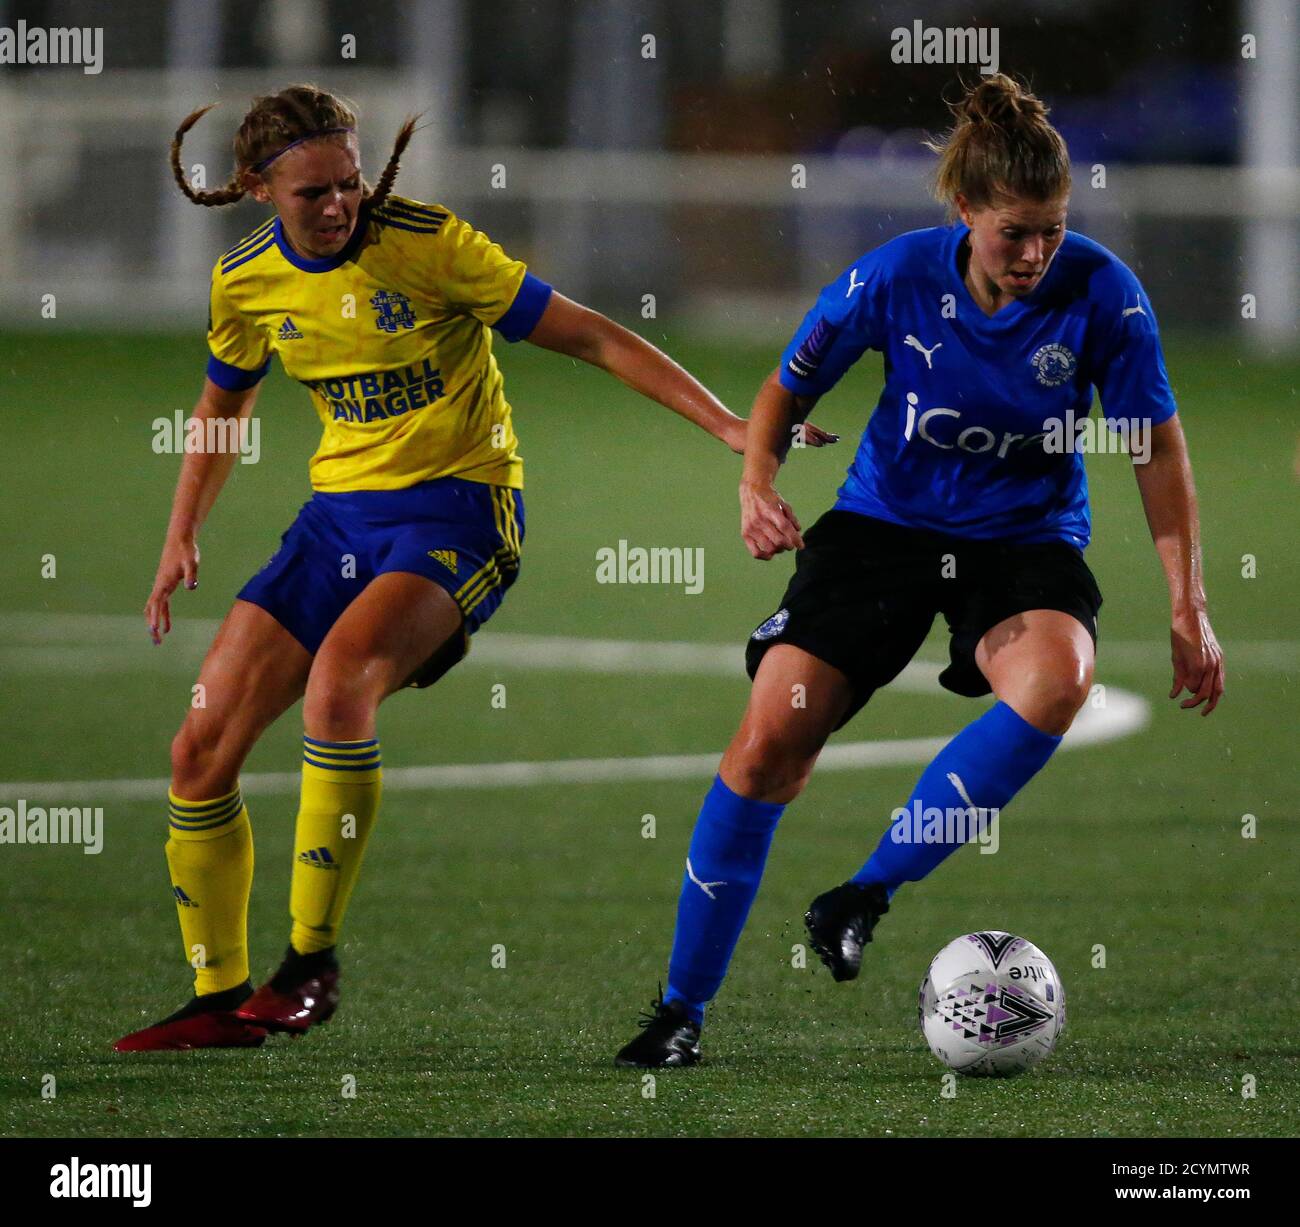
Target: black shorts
<point>865,592</point>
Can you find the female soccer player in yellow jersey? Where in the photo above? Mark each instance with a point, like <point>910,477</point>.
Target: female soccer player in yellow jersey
<point>381,306</point>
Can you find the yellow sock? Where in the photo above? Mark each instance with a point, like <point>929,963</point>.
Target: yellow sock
<point>210,855</point>
<point>341,783</point>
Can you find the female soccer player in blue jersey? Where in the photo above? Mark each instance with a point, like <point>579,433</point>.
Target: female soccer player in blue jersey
<point>382,307</point>
<point>993,331</point>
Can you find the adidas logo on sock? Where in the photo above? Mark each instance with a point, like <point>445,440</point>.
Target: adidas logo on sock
<point>182,899</point>
<point>318,858</point>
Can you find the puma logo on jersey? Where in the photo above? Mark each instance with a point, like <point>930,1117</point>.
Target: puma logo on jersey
<point>704,886</point>
<point>446,557</point>
<point>1131,311</point>
<point>854,283</point>
<point>289,330</point>
<point>929,353</point>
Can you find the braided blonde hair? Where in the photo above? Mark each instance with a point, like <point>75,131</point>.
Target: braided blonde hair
<point>275,122</point>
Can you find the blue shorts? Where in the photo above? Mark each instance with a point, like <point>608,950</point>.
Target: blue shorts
<point>463,535</point>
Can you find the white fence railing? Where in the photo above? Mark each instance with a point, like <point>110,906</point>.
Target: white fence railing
<point>93,218</point>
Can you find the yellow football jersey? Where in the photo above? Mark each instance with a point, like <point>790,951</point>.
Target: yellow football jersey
<point>391,337</point>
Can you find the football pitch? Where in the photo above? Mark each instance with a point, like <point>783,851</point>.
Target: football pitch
<point>513,916</point>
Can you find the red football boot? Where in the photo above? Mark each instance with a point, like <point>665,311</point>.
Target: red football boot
<point>304,993</point>
<point>204,1022</point>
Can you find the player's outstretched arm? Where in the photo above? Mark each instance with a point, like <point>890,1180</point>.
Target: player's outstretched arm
<point>1169,499</point>
<point>569,328</point>
<point>203,474</point>
<point>767,523</point>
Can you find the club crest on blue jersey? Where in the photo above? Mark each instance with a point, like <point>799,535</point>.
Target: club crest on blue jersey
<point>1053,364</point>
<point>773,626</point>
<point>393,310</point>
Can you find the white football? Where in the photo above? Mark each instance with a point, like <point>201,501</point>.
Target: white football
<point>991,1005</point>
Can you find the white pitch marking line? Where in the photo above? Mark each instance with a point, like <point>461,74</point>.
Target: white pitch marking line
<point>1123,715</point>
<point>117,643</point>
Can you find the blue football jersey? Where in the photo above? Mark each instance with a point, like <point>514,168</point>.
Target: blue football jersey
<point>965,438</point>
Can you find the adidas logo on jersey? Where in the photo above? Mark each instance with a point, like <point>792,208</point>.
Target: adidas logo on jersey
<point>182,899</point>
<point>446,557</point>
<point>318,858</point>
<point>289,330</point>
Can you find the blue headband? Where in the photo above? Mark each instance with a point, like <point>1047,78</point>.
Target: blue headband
<point>311,136</point>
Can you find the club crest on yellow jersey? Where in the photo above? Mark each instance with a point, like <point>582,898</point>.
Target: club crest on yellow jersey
<point>393,309</point>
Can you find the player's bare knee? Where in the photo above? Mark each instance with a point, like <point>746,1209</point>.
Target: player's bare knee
<point>1057,696</point>
<point>1074,686</point>
<point>767,768</point>
<point>336,707</point>
<point>200,769</point>
<point>765,781</point>
<point>195,737</point>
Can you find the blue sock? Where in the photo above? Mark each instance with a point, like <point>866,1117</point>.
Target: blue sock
<point>723,869</point>
<point>984,766</point>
